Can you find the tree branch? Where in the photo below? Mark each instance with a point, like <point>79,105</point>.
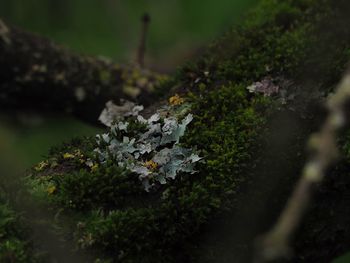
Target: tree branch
<point>38,74</point>
<point>275,244</point>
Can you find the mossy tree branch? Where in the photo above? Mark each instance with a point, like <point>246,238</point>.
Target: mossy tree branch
<point>243,166</point>
<point>36,73</point>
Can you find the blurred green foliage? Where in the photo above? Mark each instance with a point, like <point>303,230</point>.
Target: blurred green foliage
<point>112,28</point>
<point>29,143</point>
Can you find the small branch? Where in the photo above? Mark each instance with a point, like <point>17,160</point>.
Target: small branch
<point>146,19</point>
<point>275,244</point>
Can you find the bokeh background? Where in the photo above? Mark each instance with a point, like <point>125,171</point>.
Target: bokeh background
<point>179,31</point>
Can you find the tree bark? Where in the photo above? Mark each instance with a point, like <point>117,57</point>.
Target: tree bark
<point>37,74</point>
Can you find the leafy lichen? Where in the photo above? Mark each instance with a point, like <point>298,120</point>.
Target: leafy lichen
<point>152,154</point>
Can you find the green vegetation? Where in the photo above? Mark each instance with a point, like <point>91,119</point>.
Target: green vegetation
<point>288,40</point>
<point>13,248</point>
<point>117,220</point>
<point>125,223</point>
<point>115,207</point>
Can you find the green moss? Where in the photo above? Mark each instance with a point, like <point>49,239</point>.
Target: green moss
<point>304,41</point>
<point>133,224</point>
<point>225,129</point>
<point>108,187</point>
<point>282,40</point>
<point>14,244</point>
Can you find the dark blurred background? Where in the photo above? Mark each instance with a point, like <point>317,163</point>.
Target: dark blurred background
<point>179,30</point>
<point>111,27</point>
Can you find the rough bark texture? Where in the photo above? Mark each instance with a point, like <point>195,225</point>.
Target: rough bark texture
<point>36,73</point>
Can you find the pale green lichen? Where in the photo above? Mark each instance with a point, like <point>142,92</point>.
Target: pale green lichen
<point>153,153</point>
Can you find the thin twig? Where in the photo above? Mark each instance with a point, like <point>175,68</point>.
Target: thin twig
<point>142,47</point>
<point>275,244</point>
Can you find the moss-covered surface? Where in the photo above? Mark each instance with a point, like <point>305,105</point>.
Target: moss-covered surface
<point>303,47</point>
<point>113,206</point>
<point>14,244</point>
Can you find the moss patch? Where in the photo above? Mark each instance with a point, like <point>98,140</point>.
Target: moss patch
<point>14,244</point>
